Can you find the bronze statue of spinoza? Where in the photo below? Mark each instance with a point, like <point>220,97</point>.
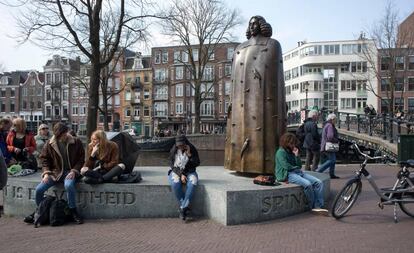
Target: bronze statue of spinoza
<point>257,113</point>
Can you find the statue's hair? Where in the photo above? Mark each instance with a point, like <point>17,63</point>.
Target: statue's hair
<point>265,28</point>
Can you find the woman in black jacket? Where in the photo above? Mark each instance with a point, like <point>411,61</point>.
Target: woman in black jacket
<point>183,162</point>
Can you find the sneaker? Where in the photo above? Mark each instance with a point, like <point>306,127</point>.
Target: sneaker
<point>334,177</point>
<point>76,217</point>
<point>183,214</point>
<point>320,211</point>
<point>29,219</point>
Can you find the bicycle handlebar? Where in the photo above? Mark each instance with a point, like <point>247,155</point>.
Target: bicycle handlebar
<point>367,156</point>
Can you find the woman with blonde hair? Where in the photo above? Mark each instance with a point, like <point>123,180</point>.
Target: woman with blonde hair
<point>20,141</point>
<point>102,161</point>
<point>43,135</point>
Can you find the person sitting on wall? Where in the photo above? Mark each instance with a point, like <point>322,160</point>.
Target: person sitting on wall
<point>43,135</point>
<point>62,158</point>
<point>102,164</point>
<point>183,162</point>
<point>288,168</point>
<point>21,144</point>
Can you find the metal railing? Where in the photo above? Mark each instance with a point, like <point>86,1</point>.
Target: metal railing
<point>379,125</point>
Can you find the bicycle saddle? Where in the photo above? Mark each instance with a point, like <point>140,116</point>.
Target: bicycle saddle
<point>408,163</point>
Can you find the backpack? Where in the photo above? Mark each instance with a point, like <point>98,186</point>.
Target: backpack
<point>59,212</point>
<point>133,177</point>
<point>41,216</point>
<point>300,133</point>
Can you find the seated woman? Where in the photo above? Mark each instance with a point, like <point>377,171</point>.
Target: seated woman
<point>102,162</point>
<point>21,143</point>
<point>183,162</point>
<point>288,168</point>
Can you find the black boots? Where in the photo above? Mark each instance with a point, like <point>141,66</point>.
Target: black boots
<point>184,213</point>
<point>76,216</point>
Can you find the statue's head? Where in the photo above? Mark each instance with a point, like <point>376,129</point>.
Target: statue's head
<point>258,25</point>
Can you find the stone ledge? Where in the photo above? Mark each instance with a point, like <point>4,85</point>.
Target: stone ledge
<point>222,195</point>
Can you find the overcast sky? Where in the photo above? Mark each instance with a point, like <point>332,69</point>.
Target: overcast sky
<point>292,21</point>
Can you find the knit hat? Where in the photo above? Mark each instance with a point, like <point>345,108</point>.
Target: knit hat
<point>180,140</point>
<point>59,129</point>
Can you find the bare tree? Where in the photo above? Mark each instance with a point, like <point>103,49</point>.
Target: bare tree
<point>94,28</point>
<point>384,58</point>
<point>200,25</point>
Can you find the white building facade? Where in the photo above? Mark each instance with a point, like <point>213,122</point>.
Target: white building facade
<point>333,75</point>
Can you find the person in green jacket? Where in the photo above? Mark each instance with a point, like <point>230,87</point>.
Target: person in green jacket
<point>288,168</point>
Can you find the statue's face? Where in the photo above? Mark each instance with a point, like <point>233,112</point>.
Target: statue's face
<point>254,27</point>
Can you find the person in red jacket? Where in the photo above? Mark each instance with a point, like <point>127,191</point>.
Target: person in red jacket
<point>20,142</point>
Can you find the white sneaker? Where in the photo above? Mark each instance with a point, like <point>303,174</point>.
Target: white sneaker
<point>320,211</point>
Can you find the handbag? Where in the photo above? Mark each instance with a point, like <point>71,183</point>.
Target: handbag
<point>265,180</point>
<point>331,147</point>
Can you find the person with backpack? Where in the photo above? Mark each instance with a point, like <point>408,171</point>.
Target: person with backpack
<point>62,159</point>
<point>183,162</point>
<point>102,163</point>
<point>311,141</point>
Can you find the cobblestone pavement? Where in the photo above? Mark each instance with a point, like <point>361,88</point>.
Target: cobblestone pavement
<point>365,229</point>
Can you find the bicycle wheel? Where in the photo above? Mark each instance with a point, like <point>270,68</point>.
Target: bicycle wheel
<point>407,208</point>
<point>346,198</point>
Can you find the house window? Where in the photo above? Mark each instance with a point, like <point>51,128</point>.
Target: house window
<point>385,63</point>
<point>165,56</point>
<point>385,84</point>
<point>399,84</point>
<point>331,49</point>
<point>49,79</point>
<point>195,55</point>
<point>160,109</point>
<point>160,75</point>
<point>12,106</point>
<point>411,83</point>
<point>210,54</point>
<point>411,62</point>
<point>179,73</point>
<point>57,77</point>
<point>179,107</point>
<point>208,73</point>
<point>399,63</point>
<point>74,110</point>
<point>184,56</point>
<point>127,112</point>
<point>227,69</point>
<point>65,78</point>
<point>127,95</point>
<point>179,92</point>
<point>177,56</point>
<point>230,52</point>
<point>13,92</point>
<point>227,87</point>
<point>157,57</point>
<point>146,94</point>
<point>146,111</point>
<point>411,105</point>
<point>207,108</point>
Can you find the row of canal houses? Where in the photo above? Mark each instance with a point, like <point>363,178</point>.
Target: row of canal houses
<point>147,93</point>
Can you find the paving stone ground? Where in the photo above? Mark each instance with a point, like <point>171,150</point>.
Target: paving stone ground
<point>365,229</point>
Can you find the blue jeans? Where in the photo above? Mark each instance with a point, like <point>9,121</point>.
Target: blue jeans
<point>312,186</point>
<point>69,188</point>
<point>329,163</point>
<point>183,198</point>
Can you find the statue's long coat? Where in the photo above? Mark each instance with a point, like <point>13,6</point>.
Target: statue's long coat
<point>257,115</point>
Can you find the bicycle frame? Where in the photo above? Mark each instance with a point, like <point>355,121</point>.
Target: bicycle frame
<point>386,195</point>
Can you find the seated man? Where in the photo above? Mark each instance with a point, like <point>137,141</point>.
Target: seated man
<point>62,158</point>
<point>102,164</point>
<point>183,162</point>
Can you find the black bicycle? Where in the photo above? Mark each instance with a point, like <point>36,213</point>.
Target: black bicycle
<point>402,193</point>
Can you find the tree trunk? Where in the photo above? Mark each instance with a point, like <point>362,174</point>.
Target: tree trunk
<point>93,100</point>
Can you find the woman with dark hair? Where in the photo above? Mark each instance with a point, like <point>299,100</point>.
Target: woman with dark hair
<point>183,162</point>
<point>102,164</point>
<point>288,168</point>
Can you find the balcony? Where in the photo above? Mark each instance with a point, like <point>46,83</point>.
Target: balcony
<point>135,101</point>
<point>136,85</point>
<point>362,93</point>
<point>136,118</point>
<point>160,97</point>
<point>56,85</point>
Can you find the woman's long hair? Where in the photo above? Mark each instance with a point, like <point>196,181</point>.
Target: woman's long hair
<point>103,143</point>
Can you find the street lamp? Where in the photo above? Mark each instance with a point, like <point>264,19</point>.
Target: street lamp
<point>306,101</point>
